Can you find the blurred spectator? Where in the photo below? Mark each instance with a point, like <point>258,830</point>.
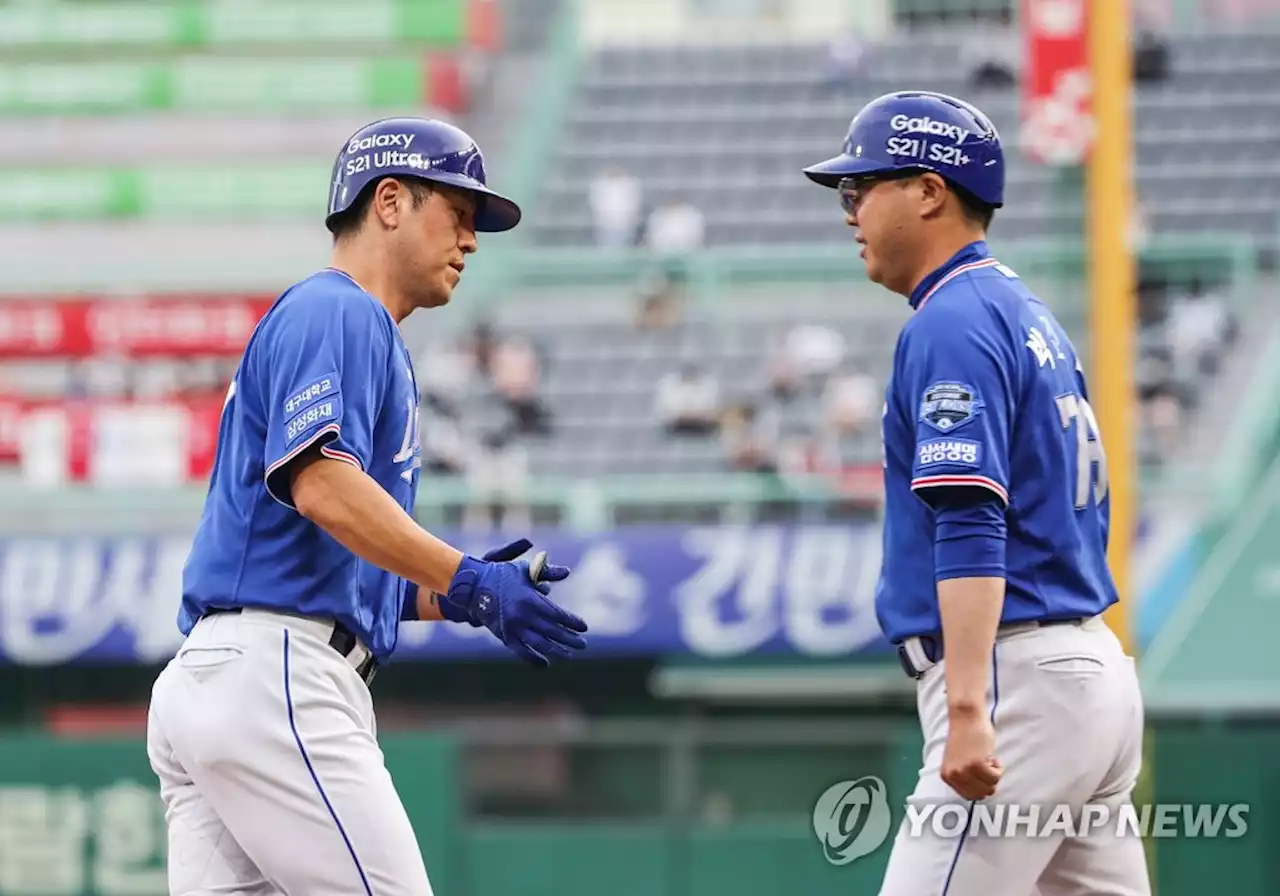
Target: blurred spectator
<point>498,479</point>
<point>481,347</point>
<point>444,451</point>
<point>688,402</point>
<point>675,229</point>
<point>1154,370</point>
<point>1198,329</point>
<point>814,350</point>
<point>515,375</point>
<point>992,58</point>
<point>801,361</point>
<point>843,64</point>
<point>782,374</point>
<point>1150,58</point>
<point>749,438</point>
<point>850,401</point>
<point>801,453</point>
<point>444,371</point>
<point>1153,297</point>
<point>673,233</point>
<point>616,200</point>
<point>659,308</point>
<point>1164,419</point>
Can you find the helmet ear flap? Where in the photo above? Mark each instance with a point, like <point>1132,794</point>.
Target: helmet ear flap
<point>350,219</point>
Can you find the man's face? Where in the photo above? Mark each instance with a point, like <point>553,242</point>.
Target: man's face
<point>885,213</point>
<point>434,237</point>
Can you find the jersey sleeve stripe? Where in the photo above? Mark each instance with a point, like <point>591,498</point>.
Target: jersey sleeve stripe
<point>344,456</point>
<point>982,481</point>
<point>301,447</point>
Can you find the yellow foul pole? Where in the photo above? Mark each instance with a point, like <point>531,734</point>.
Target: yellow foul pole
<point>1112,317</point>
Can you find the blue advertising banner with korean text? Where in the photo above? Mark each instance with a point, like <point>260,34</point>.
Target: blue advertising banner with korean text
<point>714,592</point>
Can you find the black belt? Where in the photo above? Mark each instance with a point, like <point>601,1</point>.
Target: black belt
<point>931,645</point>
<point>342,640</point>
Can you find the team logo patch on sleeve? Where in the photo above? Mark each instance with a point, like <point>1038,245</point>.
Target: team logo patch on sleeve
<point>948,405</point>
<point>952,452</point>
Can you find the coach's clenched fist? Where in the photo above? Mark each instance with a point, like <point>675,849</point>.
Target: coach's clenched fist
<point>969,765</point>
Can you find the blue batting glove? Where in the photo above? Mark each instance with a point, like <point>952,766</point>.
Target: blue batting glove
<point>498,592</point>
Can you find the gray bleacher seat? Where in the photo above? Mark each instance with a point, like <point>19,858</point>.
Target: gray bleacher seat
<point>601,378</point>
<point>702,122</point>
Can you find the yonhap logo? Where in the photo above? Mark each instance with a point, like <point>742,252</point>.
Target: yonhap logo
<point>851,819</point>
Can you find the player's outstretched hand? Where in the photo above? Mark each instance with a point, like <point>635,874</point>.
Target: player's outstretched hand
<point>509,597</point>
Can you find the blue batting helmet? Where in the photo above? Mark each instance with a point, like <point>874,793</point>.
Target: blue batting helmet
<point>417,147</point>
<point>918,129</point>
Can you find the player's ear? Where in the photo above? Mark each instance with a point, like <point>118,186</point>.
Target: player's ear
<point>387,195</point>
<point>933,194</point>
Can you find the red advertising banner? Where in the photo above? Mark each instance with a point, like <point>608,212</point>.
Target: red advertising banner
<point>110,442</point>
<point>11,412</point>
<point>1057,121</point>
<point>153,327</point>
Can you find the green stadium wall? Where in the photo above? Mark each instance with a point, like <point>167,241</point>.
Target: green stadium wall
<point>83,817</point>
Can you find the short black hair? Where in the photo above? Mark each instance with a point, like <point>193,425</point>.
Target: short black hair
<point>351,220</point>
<point>975,209</point>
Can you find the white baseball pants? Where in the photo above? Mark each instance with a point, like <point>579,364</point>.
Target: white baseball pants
<point>1068,719</point>
<point>264,741</point>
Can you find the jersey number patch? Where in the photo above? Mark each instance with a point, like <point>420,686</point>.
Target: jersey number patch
<point>1091,461</point>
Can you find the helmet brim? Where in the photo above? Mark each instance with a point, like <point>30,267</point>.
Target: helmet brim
<point>495,213</point>
<point>830,172</point>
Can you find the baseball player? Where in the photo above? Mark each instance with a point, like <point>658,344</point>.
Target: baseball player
<point>261,728</point>
<point>995,527</point>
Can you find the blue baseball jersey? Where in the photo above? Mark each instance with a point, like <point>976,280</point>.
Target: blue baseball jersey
<point>987,392</point>
<point>325,366</point>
